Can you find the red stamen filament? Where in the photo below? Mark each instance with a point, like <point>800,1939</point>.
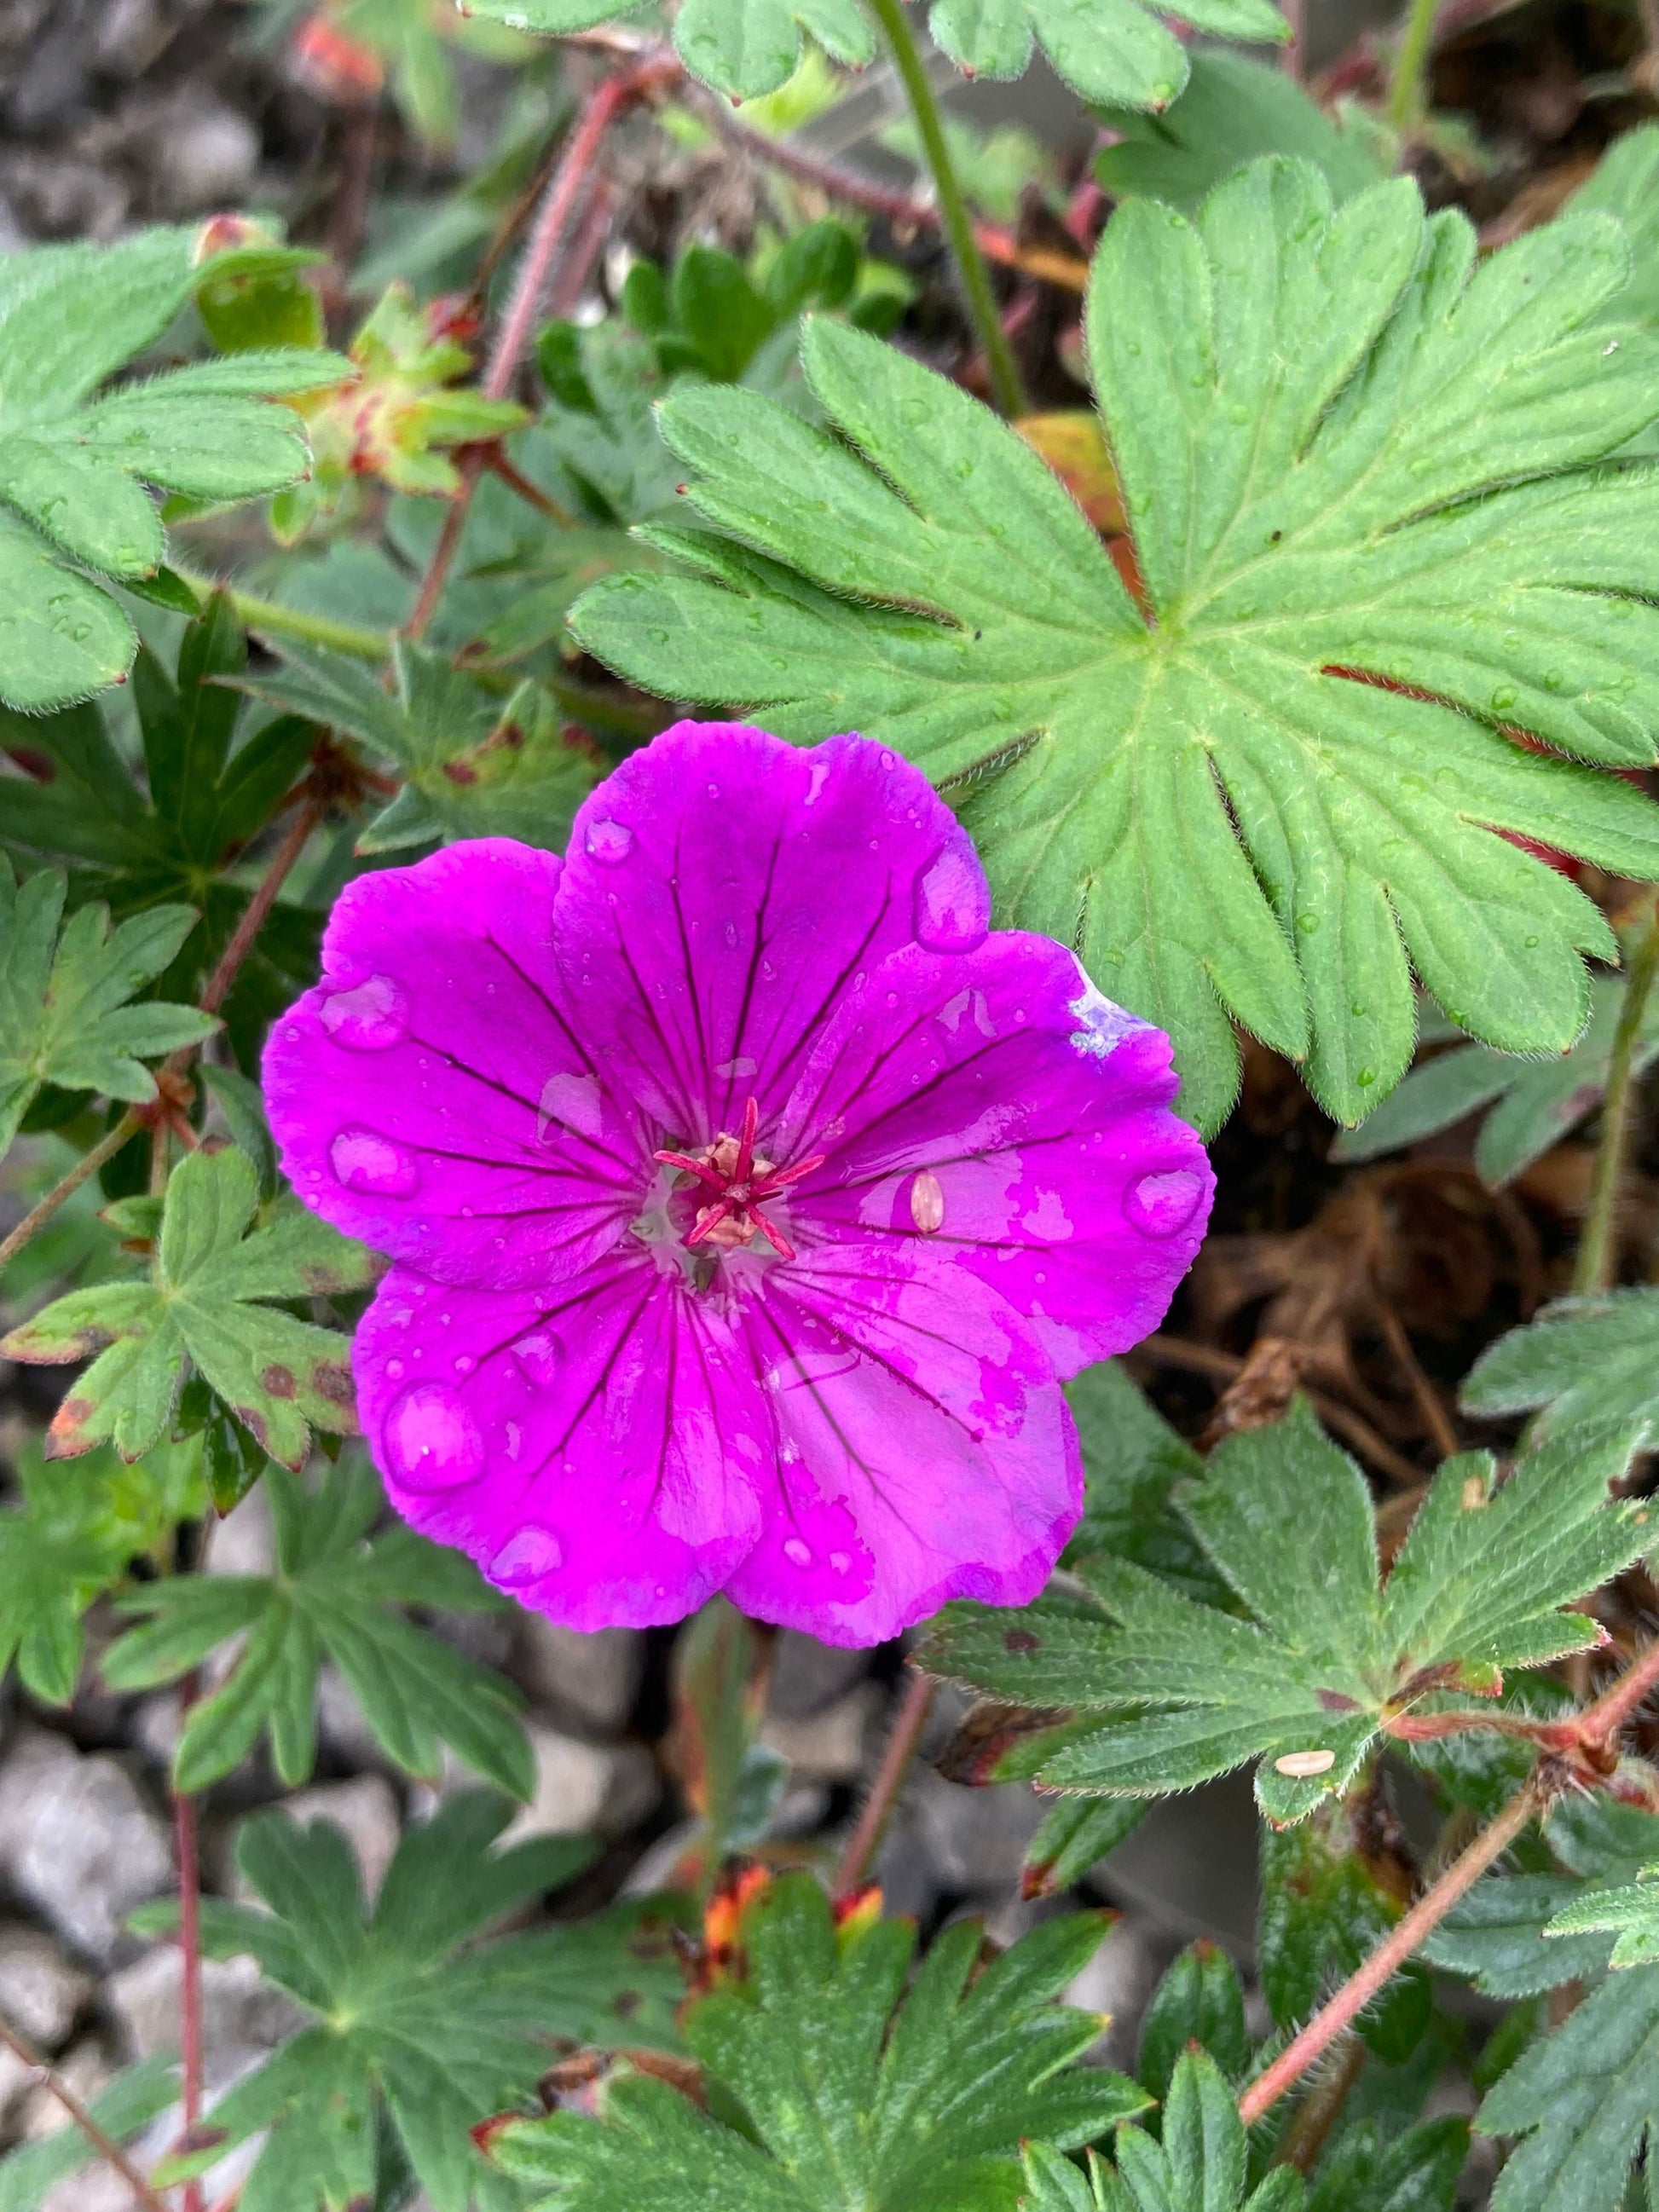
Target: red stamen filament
<point>740,1191</point>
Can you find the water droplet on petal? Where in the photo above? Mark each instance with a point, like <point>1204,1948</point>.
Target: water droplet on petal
<point>526,1557</point>
<point>797,1553</point>
<point>928,1202</point>
<point>1162,1204</point>
<point>431,1440</point>
<point>539,1356</point>
<point>370,1018</point>
<point>953,904</point>
<point>609,843</point>
<point>366,1161</point>
<point>841,1561</point>
<point>570,1102</point>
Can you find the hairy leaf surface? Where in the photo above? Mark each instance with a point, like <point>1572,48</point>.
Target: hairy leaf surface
<point>1375,463</point>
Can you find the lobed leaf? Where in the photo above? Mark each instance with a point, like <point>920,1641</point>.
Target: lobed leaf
<point>1376,483</point>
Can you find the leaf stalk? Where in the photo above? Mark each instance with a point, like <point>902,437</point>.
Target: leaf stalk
<point>1598,1248</point>
<point>102,2140</point>
<point>1006,389</point>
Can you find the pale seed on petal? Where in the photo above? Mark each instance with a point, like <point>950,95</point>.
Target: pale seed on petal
<point>928,1202</point>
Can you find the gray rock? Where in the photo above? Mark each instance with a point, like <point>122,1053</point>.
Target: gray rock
<point>243,2017</point>
<point>78,1842</point>
<point>41,1991</point>
<point>830,1746</point>
<point>807,1675</point>
<point>209,156</point>
<point>16,2079</point>
<point>128,36</point>
<point>1119,1980</point>
<point>582,1789</point>
<point>366,1807</point>
<point>245,1541</point>
<point>86,2069</point>
<point>591,1679</point>
<point>975,1838</point>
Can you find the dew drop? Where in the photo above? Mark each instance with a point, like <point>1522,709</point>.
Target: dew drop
<point>431,1440</point>
<point>952,904</point>
<point>1162,1203</point>
<point>365,1161</point>
<point>539,1356</point>
<point>372,1017</point>
<point>609,843</point>
<point>798,1554</point>
<point>570,1102</point>
<point>841,1561</point>
<point>1503,697</point>
<point>526,1557</point>
<point>928,1202</point>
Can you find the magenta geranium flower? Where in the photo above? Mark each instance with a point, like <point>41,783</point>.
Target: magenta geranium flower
<point>750,1198</point>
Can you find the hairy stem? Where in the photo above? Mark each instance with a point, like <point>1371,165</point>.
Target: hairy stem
<point>1069,273</point>
<point>890,1780</point>
<point>88,1164</point>
<point>1407,100</point>
<point>254,914</point>
<point>565,190</point>
<point>532,494</point>
<point>271,615</point>
<point>1318,2113</point>
<point>1356,1992</point>
<point>102,2140</point>
<point>1598,1248</point>
<point>1599,1723</point>
<point>1006,387</point>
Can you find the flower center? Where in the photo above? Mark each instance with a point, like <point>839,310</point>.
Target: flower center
<point>737,1181</point>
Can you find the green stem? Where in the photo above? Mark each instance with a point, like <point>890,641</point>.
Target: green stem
<point>1006,387</point>
<point>294,622</point>
<point>1598,1249</point>
<point>88,1165</point>
<point>579,700</point>
<point>1408,101</point>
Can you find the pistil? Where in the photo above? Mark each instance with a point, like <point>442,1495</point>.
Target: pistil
<point>740,1180</point>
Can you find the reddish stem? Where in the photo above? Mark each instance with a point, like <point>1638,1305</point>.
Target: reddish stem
<point>532,494</point>
<point>1356,1992</point>
<point>190,1947</point>
<point>1600,1722</point>
<point>102,2140</point>
<point>524,309</point>
<point>258,907</point>
<point>890,1780</point>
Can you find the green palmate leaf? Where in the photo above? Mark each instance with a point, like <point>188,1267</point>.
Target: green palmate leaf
<point>1584,1361</point>
<point>1625,186</point>
<point>1113,51</point>
<point>1232,111</point>
<point>1582,2100</point>
<point>204,1306</point>
<point>1200,2001</point>
<point>1202,2163</point>
<point>1184,1691</point>
<point>1327,1901</point>
<point>73,467</point>
<point>1132,1461</point>
<point>70,1539</point>
<point>1054,2184</point>
<point>410,2013</point>
<point>137,2095</point>
<point>333,1595</point>
<point>1418,2171</point>
<point>845,2104</point>
<point>742,47</point>
<point>66,1010</point>
<point>1381,467</point>
<point>1533,1105</point>
<point>1496,1935</point>
<point>477,766</point>
<point>1633,1913</point>
<point>213,784</point>
<point>1072,1838</point>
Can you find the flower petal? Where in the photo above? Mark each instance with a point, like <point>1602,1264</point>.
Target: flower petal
<point>429,1096</point>
<point>996,1112</point>
<point>597,1450</point>
<point>723,889</point>
<point>926,1451</point>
